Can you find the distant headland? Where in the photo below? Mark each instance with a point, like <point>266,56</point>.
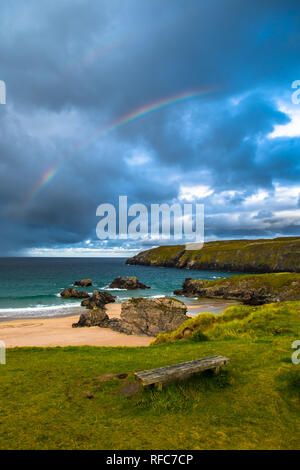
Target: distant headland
<point>249,256</point>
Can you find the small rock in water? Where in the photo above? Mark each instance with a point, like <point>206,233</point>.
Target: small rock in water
<point>129,283</point>
<point>83,283</point>
<point>98,300</point>
<point>73,293</point>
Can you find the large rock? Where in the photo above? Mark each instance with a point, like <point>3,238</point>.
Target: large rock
<point>83,283</point>
<point>190,287</point>
<point>98,300</point>
<point>250,289</point>
<point>129,283</point>
<point>73,293</point>
<point>139,316</point>
<point>93,317</point>
<point>152,316</point>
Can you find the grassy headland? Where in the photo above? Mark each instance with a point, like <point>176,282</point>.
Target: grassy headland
<point>252,289</point>
<point>53,398</point>
<point>257,256</point>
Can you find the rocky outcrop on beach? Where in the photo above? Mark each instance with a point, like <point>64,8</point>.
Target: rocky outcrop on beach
<point>83,283</point>
<point>98,300</point>
<point>250,289</point>
<point>73,293</point>
<point>96,314</point>
<point>248,256</point>
<point>139,316</point>
<point>129,283</point>
<point>93,317</point>
<point>151,316</point>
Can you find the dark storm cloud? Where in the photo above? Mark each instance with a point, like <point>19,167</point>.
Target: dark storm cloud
<point>229,146</point>
<point>74,66</point>
<point>120,55</point>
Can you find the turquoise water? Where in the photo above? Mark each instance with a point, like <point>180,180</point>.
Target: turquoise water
<point>30,287</point>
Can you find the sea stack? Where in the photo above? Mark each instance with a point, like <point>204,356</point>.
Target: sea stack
<point>129,283</point>
<point>83,283</point>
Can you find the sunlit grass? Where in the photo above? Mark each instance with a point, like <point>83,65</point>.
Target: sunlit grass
<point>241,321</point>
<point>262,255</point>
<point>50,398</point>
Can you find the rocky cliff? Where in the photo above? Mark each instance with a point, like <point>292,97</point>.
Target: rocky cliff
<point>249,289</point>
<point>252,256</point>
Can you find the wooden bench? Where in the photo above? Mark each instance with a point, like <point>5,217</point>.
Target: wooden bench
<point>180,371</point>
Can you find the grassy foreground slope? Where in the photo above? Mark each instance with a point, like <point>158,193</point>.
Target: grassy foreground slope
<point>258,256</point>
<point>52,398</point>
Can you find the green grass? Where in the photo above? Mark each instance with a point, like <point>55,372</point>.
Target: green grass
<point>262,255</point>
<point>272,281</point>
<point>254,403</point>
<point>240,321</point>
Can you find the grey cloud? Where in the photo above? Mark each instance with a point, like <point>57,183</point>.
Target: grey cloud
<point>101,60</point>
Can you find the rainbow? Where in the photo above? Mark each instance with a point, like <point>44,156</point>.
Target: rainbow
<point>45,179</point>
<point>150,108</point>
<point>122,121</point>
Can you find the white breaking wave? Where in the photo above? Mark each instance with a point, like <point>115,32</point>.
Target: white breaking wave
<point>38,308</point>
<point>111,288</point>
<point>144,297</point>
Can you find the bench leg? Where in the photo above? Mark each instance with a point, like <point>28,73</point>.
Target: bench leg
<point>159,386</point>
<point>217,370</point>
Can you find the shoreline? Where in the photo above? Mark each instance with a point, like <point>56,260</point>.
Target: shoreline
<point>216,306</point>
<point>43,317</point>
<point>53,332</point>
<point>58,331</point>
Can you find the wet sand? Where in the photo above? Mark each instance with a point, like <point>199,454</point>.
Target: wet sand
<point>216,306</point>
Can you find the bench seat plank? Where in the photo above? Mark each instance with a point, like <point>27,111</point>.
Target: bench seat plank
<point>180,371</point>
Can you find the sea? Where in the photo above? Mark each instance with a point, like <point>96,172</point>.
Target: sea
<point>31,287</point>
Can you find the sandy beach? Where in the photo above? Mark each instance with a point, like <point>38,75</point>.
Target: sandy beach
<point>59,332</point>
<point>47,332</point>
